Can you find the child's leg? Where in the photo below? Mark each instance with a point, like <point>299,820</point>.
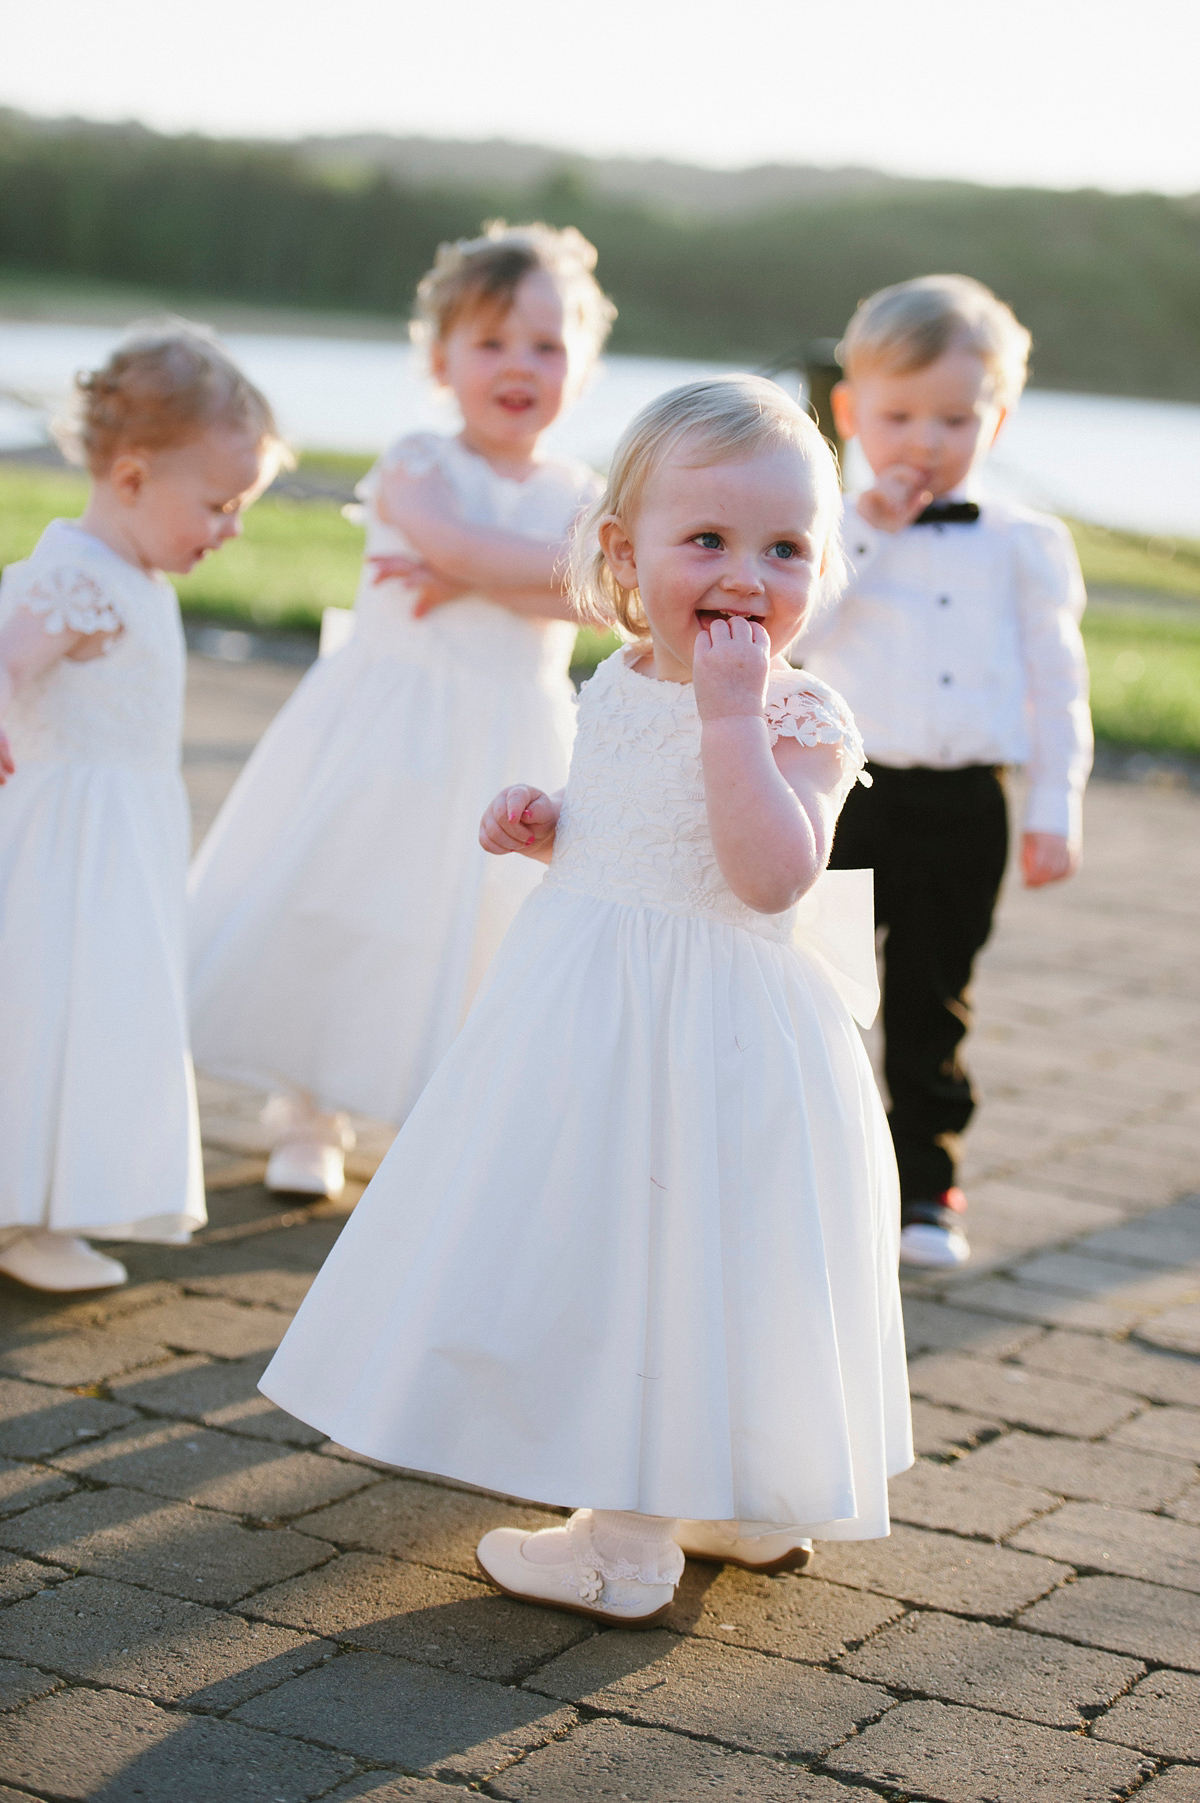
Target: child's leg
<point>609,1565</point>
<point>309,1155</point>
<point>949,850</point>
<point>937,842</point>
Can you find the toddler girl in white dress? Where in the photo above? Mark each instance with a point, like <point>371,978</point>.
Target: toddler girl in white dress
<point>636,1247</point>
<point>98,1131</point>
<point>342,912</point>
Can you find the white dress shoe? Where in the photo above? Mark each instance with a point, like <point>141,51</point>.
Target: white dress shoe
<point>307,1167</point>
<point>565,1571</point>
<point>59,1261</point>
<point>722,1544</point>
<point>309,1157</point>
<point>933,1248</point>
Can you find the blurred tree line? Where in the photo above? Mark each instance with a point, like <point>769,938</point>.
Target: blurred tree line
<point>1108,284</point>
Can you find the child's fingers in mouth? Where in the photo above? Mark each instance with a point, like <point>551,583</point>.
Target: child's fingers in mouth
<point>706,616</point>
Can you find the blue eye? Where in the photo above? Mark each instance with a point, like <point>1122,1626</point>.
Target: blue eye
<point>709,541</point>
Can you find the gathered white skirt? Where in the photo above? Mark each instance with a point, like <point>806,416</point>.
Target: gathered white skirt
<point>636,1246</point>
<point>341,910</point>
<point>98,1126</point>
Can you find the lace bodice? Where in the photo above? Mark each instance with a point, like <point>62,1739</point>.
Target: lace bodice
<point>544,506</point>
<point>634,827</point>
<point>125,706</point>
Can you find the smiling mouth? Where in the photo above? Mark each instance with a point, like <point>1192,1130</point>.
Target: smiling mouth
<point>706,615</point>
<point>515,403</point>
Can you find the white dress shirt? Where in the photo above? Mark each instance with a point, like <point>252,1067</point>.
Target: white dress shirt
<point>959,644</point>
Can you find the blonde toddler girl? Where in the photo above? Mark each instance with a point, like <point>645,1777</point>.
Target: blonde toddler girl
<point>635,1249</point>
<point>342,914</point>
<point>98,1133</point>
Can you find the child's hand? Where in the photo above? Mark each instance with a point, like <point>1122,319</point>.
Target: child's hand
<point>8,764</point>
<point>731,660</point>
<point>522,820</point>
<point>1047,858</point>
<point>898,496</point>
<point>432,588</point>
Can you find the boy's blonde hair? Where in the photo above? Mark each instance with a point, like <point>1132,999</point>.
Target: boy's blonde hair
<point>485,272</point>
<point>909,326</point>
<point>165,384</point>
<point>724,420</point>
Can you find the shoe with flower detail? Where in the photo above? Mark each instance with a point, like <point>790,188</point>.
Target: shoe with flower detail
<point>560,1567</point>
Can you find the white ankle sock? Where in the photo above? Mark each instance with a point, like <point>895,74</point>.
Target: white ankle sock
<point>637,1546</point>
<point>624,1545</point>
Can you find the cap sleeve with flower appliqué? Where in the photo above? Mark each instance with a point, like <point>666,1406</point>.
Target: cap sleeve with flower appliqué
<point>802,707</point>
<point>66,597</point>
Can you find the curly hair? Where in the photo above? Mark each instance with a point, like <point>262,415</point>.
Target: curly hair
<point>486,272</point>
<point>163,385</point>
<point>722,420</point>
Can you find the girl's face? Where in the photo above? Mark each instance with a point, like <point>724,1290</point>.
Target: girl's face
<point>509,370</point>
<point>717,540</point>
<point>181,503</point>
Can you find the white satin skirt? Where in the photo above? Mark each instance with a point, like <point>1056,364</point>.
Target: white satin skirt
<point>98,1126</point>
<point>636,1246</point>
<point>341,910</point>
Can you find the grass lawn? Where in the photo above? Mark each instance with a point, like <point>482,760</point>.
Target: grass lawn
<point>297,557</point>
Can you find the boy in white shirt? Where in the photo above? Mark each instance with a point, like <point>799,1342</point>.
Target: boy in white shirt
<point>957,646</point>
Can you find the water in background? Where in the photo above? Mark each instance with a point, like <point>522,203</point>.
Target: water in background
<point>1118,462</point>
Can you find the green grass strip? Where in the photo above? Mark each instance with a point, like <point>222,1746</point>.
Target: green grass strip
<point>296,558</point>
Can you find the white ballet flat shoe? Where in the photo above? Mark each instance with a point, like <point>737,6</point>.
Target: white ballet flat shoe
<point>307,1167</point>
<point>720,1543</point>
<point>60,1262</point>
<point>933,1248</point>
<point>578,1583</point>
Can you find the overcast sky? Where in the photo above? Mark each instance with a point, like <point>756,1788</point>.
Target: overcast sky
<point>1057,93</point>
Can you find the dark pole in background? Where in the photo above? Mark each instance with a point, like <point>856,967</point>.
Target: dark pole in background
<point>821,371</point>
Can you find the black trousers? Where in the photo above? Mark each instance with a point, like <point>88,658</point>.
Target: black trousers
<point>937,841</point>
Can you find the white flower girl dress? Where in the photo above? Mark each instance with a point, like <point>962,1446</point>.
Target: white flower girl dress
<point>636,1246</point>
<point>342,912</point>
<point>98,1129</point>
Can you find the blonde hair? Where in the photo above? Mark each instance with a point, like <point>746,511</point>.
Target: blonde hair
<point>164,385</point>
<point>909,326</point>
<point>485,272</point>
<point>724,420</point>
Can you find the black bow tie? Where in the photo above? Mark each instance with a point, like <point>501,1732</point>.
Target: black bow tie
<point>948,513</point>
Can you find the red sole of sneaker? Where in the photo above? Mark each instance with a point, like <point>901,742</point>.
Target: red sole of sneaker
<point>544,1602</point>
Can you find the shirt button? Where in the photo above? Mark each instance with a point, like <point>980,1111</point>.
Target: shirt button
<point>943,600</point>
<point>946,681</point>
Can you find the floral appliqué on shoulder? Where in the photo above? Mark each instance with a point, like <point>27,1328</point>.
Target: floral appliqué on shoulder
<point>813,719</point>
<point>69,600</point>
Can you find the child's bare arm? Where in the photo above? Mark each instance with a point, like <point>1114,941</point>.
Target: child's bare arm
<point>770,811</point>
<point>27,651</point>
<point>523,820</point>
<point>519,573</point>
<point>433,589</point>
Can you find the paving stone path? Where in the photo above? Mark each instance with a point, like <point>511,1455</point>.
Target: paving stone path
<point>202,1601</point>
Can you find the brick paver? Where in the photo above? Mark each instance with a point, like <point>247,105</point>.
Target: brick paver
<point>200,1599</point>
